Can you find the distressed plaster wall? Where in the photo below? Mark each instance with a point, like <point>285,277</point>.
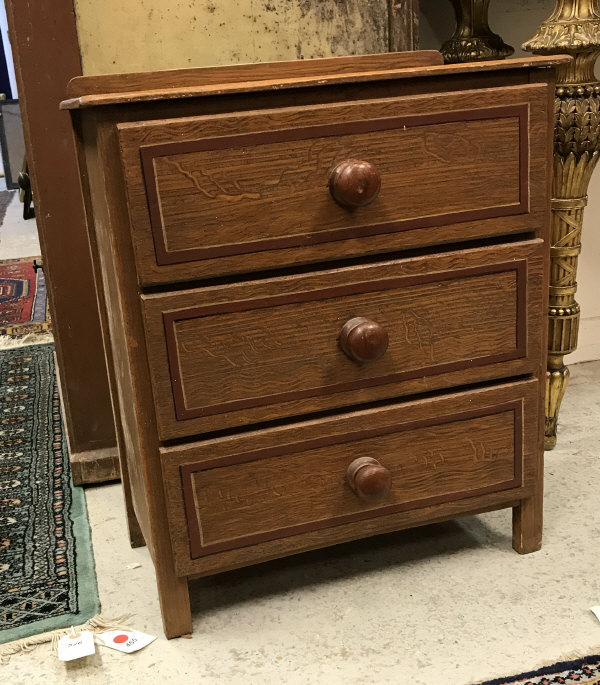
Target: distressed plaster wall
<point>115,36</point>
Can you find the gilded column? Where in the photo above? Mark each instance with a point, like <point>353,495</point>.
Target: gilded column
<point>573,28</point>
<point>473,40</point>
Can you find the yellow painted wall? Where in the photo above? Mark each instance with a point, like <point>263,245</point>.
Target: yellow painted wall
<point>117,36</point>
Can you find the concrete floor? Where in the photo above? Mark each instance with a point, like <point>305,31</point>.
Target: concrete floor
<point>18,238</point>
<point>447,604</point>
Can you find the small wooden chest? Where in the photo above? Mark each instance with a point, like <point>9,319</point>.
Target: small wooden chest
<point>323,287</point>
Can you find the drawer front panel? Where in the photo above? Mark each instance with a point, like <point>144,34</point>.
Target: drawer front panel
<point>233,353</point>
<point>287,482</point>
<point>216,188</point>
<point>269,190</point>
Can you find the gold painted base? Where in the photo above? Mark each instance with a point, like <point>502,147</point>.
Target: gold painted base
<point>573,28</point>
<point>556,384</point>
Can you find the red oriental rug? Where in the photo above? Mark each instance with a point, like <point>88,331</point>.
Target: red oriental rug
<point>23,298</point>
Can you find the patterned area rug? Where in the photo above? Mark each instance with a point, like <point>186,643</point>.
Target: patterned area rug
<point>23,298</point>
<point>47,575</point>
<point>585,670</point>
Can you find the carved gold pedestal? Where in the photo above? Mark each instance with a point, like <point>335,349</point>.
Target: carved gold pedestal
<point>573,28</point>
<point>473,40</point>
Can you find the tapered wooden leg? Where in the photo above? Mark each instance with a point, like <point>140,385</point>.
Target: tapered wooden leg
<point>136,537</point>
<point>528,520</point>
<point>174,597</point>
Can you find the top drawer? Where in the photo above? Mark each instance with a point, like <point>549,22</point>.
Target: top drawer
<point>229,193</point>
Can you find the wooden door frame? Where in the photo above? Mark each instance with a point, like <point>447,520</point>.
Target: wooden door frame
<point>46,54</point>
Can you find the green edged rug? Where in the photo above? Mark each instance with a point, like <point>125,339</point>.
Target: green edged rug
<point>47,574</point>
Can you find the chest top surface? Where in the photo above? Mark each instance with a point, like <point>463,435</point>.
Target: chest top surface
<point>92,91</point>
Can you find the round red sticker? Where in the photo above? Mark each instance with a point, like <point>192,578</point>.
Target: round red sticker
<point>120,638</point>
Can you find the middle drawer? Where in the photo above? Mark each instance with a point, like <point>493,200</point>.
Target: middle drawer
<point>255,351</point>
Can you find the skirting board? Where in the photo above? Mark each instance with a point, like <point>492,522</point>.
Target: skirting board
<point>95,466</point>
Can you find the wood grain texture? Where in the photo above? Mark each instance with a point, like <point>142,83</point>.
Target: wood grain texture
<point>95,466</point>
<point>166,85</point>
<point>205,196</point>
<point>306,490</point>
<point>528,515</point>
<point>438,450</point>
<point>325,537</point>
<point>135,316</point>
<point>234,354</point>
<point>195,200</point>
<point>135,506</point>
<point>315,97</point>
<point>130,391</point>
<point>182,79</point>
<point>46,34</point>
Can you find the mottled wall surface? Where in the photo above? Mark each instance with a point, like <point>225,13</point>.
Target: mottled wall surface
<point>142,35</point>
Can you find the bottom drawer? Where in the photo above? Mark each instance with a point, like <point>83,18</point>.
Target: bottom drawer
<point>284,483</point>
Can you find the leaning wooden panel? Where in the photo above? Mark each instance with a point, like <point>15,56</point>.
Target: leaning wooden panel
<point>46,34</point>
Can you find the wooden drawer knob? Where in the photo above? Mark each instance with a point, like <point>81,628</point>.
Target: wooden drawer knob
<point>363,340</point>
<point>369,479</point>
<point>354,183</point>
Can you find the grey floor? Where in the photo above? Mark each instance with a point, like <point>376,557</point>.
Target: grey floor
<point>446,604</point>
<point>18,238</point>
<point>449,604</point>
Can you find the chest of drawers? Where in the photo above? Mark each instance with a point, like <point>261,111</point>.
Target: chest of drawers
<point>323,288</point>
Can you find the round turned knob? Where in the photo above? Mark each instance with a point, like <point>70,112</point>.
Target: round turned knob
<point>369,479</point>
<point>354,183</point>
<point>363,340</point>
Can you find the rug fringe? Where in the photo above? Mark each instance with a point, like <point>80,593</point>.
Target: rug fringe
<point>96,624</point>
<point>7,342</point>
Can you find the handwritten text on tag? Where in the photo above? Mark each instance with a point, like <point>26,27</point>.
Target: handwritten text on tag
<point>76,645</point>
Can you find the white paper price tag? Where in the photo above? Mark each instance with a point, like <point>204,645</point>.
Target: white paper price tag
<point>76,645</point>
<point>125,640</point>
<point>596,610</point>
